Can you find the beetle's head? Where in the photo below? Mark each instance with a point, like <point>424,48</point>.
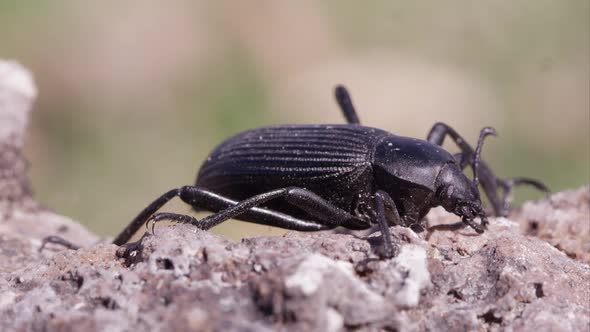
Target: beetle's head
<point>458,194</point>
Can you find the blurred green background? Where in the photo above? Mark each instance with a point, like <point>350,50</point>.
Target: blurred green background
<point>134,94</point>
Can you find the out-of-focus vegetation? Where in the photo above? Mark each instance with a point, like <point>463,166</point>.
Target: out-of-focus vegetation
<point>134,94</point>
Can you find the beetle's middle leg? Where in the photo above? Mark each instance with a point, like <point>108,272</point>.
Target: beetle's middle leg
<point>489,182</point>
<point>383,200</point>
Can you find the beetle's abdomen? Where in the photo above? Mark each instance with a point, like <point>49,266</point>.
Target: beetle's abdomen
<point>320,158</point>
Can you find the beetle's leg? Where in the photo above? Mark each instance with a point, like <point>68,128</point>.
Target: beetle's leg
<point>487,179</point>
<point>204,199</point>
<point>381,200</point>
<point>346,106</point>
<point>437,136</point>
<point>132,227</point>
<point>175,217</point>
<point>323,213</point>
<point>459,159</point>
<point>201,198</point>
<point>508,184</point>
<point>141,218</point>
<point>57,240</point>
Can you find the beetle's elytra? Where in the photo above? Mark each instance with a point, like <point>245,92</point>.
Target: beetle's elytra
<point>315,177</point>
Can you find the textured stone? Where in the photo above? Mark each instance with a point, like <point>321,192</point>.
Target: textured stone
<point>23,222</point>
<point>564,222</point>
<point>17,94</point>
<point>185,278</point>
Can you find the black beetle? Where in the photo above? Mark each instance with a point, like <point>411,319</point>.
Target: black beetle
<point>316,177</point>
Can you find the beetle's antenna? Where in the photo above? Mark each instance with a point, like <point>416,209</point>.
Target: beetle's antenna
<point>482,135</point>
<point>345,103</point>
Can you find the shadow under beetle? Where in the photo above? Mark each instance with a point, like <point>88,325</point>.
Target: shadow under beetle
<point>317,177</point>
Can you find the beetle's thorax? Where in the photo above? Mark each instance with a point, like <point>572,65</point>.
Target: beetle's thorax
<point>407,168</point>
<point>413,160</point>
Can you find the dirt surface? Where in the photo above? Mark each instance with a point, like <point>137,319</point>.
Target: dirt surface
<point>528,272</point>
<point>563,221</point>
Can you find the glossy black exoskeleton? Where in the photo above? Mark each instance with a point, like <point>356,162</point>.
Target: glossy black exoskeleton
<point>316,177</point>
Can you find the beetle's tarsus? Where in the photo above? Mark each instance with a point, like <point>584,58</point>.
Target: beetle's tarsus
<point>143,216</point>
<point>386,252</point>
<point>59,241</point>
<point>174,217</point>
<point>508,184</point>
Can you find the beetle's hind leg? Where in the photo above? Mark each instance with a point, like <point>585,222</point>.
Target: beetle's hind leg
<point>175,217</point>
<point>203,199</point>
<point>323,215</point>
<point>488,180</point>
<point>346,106</point>
<point>143,216</point>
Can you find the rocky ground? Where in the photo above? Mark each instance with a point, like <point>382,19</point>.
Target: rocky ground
<point>527,272</point>
<point>186,279</point>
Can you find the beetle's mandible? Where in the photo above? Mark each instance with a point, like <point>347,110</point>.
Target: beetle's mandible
<point>317,177</point>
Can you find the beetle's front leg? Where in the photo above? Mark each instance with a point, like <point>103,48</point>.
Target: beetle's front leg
<point>489,182</point>
<point>487,178</point>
